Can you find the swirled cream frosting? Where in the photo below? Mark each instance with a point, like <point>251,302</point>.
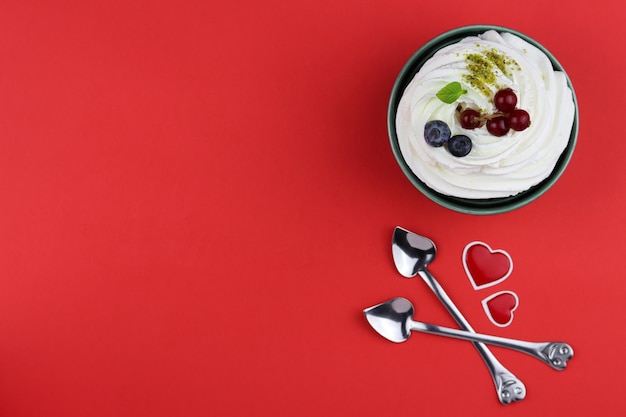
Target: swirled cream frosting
<point>496,166</point>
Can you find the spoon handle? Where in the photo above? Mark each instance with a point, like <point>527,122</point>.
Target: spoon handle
<point>554,354</point>
<point>508,387</point>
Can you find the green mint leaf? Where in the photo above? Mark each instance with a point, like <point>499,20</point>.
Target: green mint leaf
<point>451,92</point>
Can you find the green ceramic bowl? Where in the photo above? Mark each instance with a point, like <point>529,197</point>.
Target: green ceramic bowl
<point>465,205</point>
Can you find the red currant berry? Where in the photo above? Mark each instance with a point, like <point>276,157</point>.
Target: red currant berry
<point>505,100</point>
<point>519,119</point>
<point>498,126</point>
<point>470,119</point>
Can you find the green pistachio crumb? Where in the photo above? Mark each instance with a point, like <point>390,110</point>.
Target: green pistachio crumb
<point>482,67</point>
<point>499,60</point>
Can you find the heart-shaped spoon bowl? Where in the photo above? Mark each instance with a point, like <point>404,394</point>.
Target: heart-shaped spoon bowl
<point>390,319</point>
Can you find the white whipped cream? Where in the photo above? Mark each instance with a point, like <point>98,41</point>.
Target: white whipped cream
<point>496,166</point>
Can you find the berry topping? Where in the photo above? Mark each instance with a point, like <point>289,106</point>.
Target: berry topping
<point>498,126</point>
<point>505,117</point>
<point>470,119</point>
<point>519,119</point>
<point>505,100</point>
<point>459,145</point>
<point>436,133</point>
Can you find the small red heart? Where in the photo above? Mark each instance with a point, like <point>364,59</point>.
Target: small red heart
<point>486,267</point>
<point>500,307</point>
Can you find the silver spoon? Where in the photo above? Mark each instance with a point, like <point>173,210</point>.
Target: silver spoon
<point>411,254</point>
<point>393,320</point>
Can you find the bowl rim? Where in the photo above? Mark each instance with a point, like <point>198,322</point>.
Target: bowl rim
<point>465,205</point>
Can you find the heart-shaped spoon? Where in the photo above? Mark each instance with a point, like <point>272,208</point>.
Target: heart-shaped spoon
<point>393,320</point>
<point>411,254</point>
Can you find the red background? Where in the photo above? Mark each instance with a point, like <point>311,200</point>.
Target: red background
<point>197,202</point>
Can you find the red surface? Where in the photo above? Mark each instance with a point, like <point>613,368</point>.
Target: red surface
<point>197,201</point>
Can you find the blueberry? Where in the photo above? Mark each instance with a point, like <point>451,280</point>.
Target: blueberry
<point>436,133</point>
<point>459,145</point>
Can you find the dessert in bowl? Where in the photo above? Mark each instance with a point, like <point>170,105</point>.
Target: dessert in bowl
<point>483,119</point>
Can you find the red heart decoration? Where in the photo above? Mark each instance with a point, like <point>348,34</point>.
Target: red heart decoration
<point>486,267</point>
<point>500,307</point>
